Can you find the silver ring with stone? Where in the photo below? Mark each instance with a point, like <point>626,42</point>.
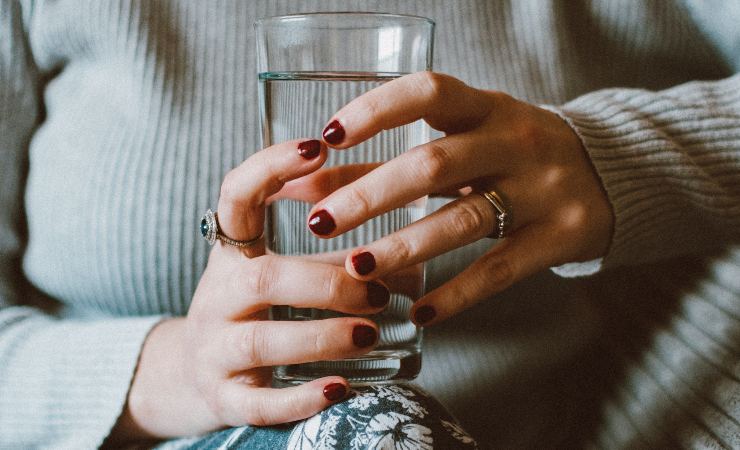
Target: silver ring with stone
<point>210,231</point>
<point>503,213</point>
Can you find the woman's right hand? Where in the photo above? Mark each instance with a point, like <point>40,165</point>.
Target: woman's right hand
<point>212,369</point>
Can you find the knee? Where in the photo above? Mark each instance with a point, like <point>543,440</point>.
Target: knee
<point>374,417</point>
<point>379,417</point>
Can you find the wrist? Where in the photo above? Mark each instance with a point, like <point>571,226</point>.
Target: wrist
<point>161,357</point>
<point>160,392</point>
<point>130,426</point>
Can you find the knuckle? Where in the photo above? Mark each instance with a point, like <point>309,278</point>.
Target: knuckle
<point>257,282</point>
<point>530,133</point>
<point>501,99</point>
<point>292,404</point>
<point>433,161</point>
<point>266,411</point>
<point>320,343</point>
<point>370,104</point>
<point>470,217</point>
<point>433,84</point>
<point>498,272</point>
<point>229,188</point>
<point>264,181</point>
<point>251,344</point>
<point>334,283</point>
<point>532,136</point>
<point>360,201</point>
<point>257,414</point>
<point>400,248</point>
<point>459,296</point>
<point>201,356</point>
<point>219,402</point>
<point>573,218</point>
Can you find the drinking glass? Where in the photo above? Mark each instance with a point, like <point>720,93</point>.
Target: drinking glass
<point>310,65</point>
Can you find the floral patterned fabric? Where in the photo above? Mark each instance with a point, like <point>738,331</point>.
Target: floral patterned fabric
<point>394,417</point>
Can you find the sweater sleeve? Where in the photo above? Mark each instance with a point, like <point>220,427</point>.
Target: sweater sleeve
<point>670,164</point>
<point>63,384</point>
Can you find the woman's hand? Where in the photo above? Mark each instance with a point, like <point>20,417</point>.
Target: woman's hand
<point>493,142</point>
<point>212,369</point>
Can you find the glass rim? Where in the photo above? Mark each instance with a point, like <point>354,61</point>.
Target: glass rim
<point>289,17</point>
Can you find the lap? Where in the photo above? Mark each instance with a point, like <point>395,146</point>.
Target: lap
<point>375,417</point>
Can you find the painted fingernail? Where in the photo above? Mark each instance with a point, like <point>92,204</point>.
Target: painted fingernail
<point>424,314</point>
<point>322,223</point>
<point>363,263</point>
<point>334,133</point>
<point>377,295</point>
<point>335,391</point>
<point>364,336</point>
<point>309,149</point>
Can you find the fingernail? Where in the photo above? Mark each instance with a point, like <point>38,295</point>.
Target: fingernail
<point>424,314</point>
<point>322,223</point>
<point>309,149</point>
<point>377,295</point>
<point>335,391</point>
<point>363,263</point>
<point>334,133</point>
<point>364,336</point>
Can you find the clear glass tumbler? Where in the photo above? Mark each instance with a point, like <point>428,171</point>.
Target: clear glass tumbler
<point>310,65</point>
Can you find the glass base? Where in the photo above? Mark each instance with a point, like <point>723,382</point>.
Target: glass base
<point>376,367</point>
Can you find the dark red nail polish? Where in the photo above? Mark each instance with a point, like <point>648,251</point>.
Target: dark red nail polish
<point>377,295</point>
<point>424,314</point>
<point>363,263</point>
<point>335,391</point>
<point>334,133</point>
<point>364,336</point>
<point>309,149</point>
<point>322,223</point>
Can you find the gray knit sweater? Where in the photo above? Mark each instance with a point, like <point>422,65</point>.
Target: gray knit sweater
<point>119,118</point>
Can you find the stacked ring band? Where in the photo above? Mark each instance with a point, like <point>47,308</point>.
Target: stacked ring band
<point>503,214</point>
<point>210,231</point>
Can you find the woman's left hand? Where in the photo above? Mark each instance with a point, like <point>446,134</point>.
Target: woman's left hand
<point>493,142</point>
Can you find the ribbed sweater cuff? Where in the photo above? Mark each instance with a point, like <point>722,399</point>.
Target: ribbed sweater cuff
<point>648,151</point>
<point>613,140</point>
<point>76,375</point>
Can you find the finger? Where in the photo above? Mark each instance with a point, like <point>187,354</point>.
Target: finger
<point>440,164</point>
<point>317,185</point>
<point>246,188</point>
<point>408,281</point>
<point>529,250</point>
<point>452,191</point>
<point>246,345</point>
<point>456,224</point>
<point>243,405</point>
<point>274,280</point>
<point>444,102</point>
<point>335,258</point>
<point>405,281</point>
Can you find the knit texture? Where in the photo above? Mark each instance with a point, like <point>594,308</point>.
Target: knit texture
<point>119,119</point>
